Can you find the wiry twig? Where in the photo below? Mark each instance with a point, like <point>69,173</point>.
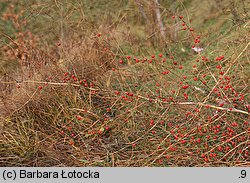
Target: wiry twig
<point>140,96</point>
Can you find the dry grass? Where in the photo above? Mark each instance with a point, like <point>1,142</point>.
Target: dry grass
<point>79,100</point>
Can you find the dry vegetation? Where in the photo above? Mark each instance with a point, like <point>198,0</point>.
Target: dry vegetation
<point>112,83</point>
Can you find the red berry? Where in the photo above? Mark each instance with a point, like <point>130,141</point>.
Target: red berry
<point>165,72</point>
<point>246,123</point>
<point>79,118</point>
<point>218,66</point>
<point>185,86</point>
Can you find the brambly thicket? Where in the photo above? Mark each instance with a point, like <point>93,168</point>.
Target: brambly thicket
<point>124,83</point>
